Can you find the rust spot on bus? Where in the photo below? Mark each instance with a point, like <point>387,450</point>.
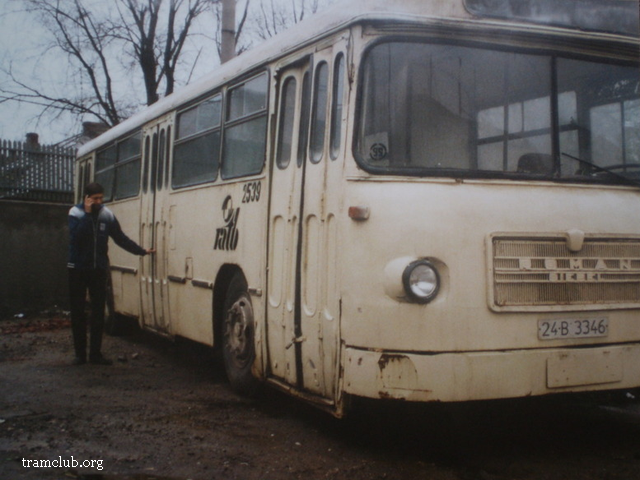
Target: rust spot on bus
<point>387,396</point>
<point>397,372</point>
<point>386,359</point>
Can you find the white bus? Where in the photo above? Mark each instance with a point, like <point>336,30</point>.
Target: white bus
<point>408,199</point>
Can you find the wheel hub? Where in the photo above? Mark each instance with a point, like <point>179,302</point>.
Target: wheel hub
<point>238,331</point>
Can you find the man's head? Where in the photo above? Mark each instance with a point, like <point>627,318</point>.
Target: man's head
<point>95,192</point>
<point>93,189</point>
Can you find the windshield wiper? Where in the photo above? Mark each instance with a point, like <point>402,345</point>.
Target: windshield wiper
<point>610,171</point>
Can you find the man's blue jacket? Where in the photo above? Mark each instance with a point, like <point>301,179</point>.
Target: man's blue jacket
<point>89,236</point>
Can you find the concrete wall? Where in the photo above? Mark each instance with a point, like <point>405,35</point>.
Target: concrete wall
<point>33,256</point>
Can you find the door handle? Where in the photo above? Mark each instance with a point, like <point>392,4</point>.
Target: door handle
<point>295,340</point>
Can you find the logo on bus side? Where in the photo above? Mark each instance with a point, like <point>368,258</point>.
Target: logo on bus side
<point>227,236</point>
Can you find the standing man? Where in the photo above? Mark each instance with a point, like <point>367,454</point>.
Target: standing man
<point>90,226</point>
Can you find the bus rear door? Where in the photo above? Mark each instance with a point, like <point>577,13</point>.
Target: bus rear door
<point>157,139</point>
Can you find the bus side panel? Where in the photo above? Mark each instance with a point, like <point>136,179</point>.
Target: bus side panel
<point>125,266</point>
<point>210,227</point>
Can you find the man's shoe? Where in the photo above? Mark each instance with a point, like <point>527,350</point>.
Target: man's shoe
<point>79,361</point>
<point>100,361</point>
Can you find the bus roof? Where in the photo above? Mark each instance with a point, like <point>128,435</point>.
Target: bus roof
<point>313,28</point>
<point>613,16</point>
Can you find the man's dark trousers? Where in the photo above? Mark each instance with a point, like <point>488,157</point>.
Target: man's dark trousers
<point>81,281</point>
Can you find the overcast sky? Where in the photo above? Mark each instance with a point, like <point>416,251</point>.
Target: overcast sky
<point>23,47</point>
<point>18,38</point>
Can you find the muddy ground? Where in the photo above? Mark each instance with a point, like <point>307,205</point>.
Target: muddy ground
<point>164,410</point>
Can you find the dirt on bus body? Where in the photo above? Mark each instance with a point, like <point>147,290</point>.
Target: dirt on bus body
<point>164,410</point>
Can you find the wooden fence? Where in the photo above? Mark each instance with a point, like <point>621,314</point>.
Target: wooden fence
<point>29,171</point>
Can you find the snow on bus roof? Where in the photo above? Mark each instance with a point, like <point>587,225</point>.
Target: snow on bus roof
<point>320,25</point>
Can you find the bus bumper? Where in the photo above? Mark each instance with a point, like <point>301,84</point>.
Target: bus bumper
<point>462,376</point>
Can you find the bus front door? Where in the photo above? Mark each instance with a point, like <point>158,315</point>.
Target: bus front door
<point>154,225</point>
<point>303,303</point>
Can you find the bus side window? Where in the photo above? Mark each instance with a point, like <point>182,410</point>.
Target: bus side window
<point>145,172</point>
<point>81,184</point>
<point>167,155</point>
<point>245,136</point>
<point>128,167</point>
<point>319,121</point>
<point>615,132</point>
<point>87,176</point>
<point>105,170</point>
<point>336,106</point>
<point>154,162</point>
<point>161,154</point>
<point>196,153</point>
<point>632,131</point>
<point>286,124</point>
<point>303,139</point>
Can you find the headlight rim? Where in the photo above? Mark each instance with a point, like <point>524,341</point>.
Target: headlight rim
<point>406,275</point>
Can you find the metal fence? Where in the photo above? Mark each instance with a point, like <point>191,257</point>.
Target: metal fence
<point>30,171</point>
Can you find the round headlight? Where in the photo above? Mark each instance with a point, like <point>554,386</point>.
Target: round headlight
<point>421,281</point>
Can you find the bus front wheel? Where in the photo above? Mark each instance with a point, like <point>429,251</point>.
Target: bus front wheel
<point>238,348</point>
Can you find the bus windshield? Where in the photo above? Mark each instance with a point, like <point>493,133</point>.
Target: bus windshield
<point>451,110</point>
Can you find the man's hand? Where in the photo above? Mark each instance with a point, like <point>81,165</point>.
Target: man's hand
<point>150,250</point>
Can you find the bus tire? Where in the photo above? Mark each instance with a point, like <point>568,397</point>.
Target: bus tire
<point>238,349</point>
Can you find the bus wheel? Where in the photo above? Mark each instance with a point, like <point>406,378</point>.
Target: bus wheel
<point>238,350</point>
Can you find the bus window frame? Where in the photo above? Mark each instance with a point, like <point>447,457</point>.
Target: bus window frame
<point>146,159</point>
<point>290,130</point>
<point>122,163</point>
<point>105,172</point>
<point>111,170</point>
<point>318,132</point>
<point>304,125</point>
<point>179,141</point>
<point>585,52</point>
<point>338,83</point>
<point>169,151</point>
<point>162,152</point>
<point>84,175</point>
<point>230,123</point>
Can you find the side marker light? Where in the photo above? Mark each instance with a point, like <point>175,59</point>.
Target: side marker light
<point>359,213</point>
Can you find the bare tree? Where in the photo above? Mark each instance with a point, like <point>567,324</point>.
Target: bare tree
<point>259,20</point>
<point>84,38</point>
<point>157,53</point>
<point>123,53</point>
<point>275,16</point>
<point>97,40</point>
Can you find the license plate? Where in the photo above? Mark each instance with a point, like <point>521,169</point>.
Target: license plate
<point>573,328</point>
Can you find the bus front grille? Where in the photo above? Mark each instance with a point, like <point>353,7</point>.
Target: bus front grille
<point>543,272</point>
